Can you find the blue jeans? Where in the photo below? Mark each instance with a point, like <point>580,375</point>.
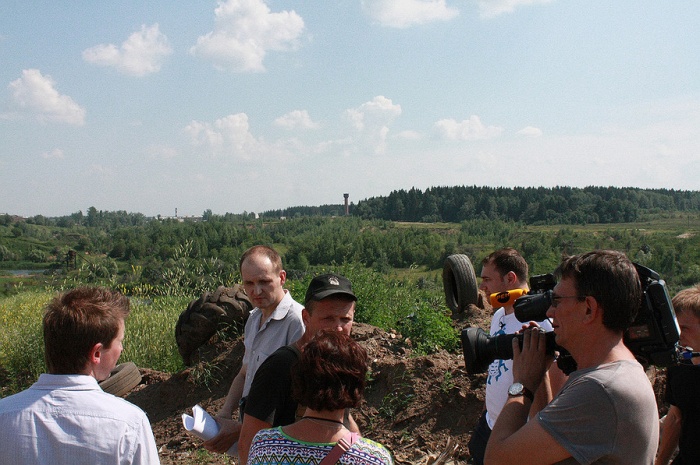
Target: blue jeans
<point>479,439</point>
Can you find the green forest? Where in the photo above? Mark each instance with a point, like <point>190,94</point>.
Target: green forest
<point>408,233</point>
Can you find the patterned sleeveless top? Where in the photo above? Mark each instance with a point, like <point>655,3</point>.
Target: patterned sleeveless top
<point>272,446</point>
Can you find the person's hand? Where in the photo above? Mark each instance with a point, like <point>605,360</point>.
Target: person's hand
<point>229,430</point>
<point>531,362</point>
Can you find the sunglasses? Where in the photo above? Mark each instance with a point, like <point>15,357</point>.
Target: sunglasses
<point>557,298</point>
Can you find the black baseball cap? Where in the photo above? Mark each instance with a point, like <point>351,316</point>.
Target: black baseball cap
<point>325,285</point>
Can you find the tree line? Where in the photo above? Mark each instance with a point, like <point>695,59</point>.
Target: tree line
<point>113,243</point>
<point>530,205</point>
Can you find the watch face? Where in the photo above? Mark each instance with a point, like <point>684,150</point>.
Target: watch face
<point>515,389</point>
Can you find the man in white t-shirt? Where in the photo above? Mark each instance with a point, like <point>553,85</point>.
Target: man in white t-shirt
<point>504,270</point>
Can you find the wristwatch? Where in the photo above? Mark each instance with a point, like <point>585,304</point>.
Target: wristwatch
<point>517,389</point>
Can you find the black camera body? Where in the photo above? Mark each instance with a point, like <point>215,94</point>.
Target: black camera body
<point>652,337</point>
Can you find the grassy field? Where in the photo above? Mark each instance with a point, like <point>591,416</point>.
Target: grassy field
<point>149,341</point>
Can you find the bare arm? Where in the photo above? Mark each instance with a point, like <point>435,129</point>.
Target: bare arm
<point>670,434</point>
<point>229,429</point>
<point>234,395</point>
<point>514,440</point>
<point>251,426</point>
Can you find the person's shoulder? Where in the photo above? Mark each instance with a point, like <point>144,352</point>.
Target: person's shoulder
<point>282,356</point>
<point>368,446</point>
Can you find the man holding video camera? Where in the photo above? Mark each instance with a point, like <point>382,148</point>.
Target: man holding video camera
<point>503,270</point>
<point>606,412</point>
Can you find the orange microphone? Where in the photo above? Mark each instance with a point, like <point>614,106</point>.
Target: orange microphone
<point>506,298</point>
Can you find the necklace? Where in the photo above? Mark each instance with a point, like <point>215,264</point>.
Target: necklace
<point>309,417</point>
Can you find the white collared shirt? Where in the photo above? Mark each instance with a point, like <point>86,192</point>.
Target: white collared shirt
<point>68,419</point>
<point>285,326</point>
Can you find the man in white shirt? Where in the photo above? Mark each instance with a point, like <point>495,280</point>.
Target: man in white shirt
<point>504,270</point>
<point>65,417</point>
<point>274,322</point>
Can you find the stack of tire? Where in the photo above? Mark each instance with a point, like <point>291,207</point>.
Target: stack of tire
<point>459,282</point>
<point>226,308</point>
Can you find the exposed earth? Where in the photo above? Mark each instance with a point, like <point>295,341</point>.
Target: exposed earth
<point>417,406</point>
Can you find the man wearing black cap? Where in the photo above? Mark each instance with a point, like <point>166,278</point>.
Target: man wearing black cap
<point>329,304</point>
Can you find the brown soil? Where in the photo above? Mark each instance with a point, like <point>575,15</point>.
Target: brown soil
<point>413,404</point>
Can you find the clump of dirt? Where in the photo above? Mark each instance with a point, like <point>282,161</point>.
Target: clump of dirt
<point>413,404</point>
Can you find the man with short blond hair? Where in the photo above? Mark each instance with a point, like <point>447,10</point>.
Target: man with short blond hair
<point>274,322</point>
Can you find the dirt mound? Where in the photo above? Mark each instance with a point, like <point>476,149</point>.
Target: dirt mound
<point>413,405</point>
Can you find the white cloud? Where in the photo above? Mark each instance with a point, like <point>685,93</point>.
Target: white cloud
<point>244,31</point>
<point>468,129</point>
<point>36,94</point>
<point>55,154</point>
<point>406,13</point>
<point>141,54</point>
<point>372,120</point>
<point>530,131</point>
<point>296,119</point>
<point>227,136</point>
<point>492,8</point>
<point>409,135</point>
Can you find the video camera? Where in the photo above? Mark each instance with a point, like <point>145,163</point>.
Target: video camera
<point>652,337</point>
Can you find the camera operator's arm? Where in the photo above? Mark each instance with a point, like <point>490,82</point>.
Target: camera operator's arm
<point>514,439</point>
<point>670,433</point>
<point>552,383</point>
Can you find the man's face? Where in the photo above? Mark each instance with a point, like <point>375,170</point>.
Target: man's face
<point>262,283</point>
<point>565,311</point>
<point>110,355</point>
<point>492,281</point>
<point>690,329</point>
<point>330,313</point>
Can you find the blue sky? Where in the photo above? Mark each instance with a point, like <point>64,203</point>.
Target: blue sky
<point>251,105</point>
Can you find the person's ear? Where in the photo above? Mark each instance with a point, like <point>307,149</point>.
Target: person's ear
<point>283,277</point>
<point>305,316</point>
<point>511,279</point>
<point>96,353</point>
<point>593,309</point>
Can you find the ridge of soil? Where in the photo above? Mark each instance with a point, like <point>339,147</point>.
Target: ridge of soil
<point>413,404</point>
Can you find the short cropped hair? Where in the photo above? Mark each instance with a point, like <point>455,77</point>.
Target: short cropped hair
<point>612,279</point>
<point>688,300</point>
<point>77,320</point>
<point>506,260</point>
<point>265,251</point>
<point>330,375</point>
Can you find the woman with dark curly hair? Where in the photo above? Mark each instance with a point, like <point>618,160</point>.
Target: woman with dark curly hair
<point>328,379</point>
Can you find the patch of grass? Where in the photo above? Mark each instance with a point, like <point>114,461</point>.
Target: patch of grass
<point>149,341</point>
<point>21,341</point>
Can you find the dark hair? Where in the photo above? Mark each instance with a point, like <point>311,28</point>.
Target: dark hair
<point>330,375</point>
<point>506,260</point>
<point>265,251</point>
<point>688,300</point>
<point>77,320</point>
<point>609,277</point>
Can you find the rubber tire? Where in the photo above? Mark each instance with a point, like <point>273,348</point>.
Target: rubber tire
<point>124,378</point>
<point>459,282</point>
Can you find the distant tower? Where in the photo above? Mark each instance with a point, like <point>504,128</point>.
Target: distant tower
<point>176,213</point>
<point>347,209</point>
